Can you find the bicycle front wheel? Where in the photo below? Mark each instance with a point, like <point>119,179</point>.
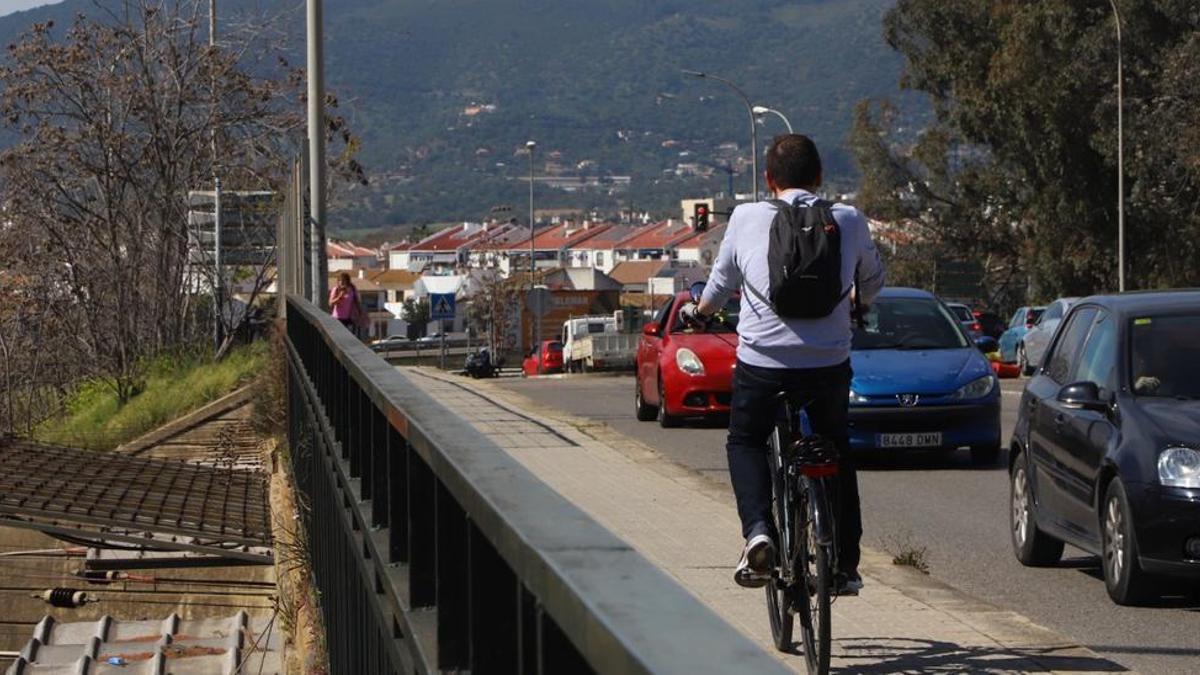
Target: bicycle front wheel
<point>815,589</point>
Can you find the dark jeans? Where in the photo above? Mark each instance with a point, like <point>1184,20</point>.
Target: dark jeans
<point>751,420</point>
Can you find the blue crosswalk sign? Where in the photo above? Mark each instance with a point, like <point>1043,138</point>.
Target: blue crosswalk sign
<point>441,306</point>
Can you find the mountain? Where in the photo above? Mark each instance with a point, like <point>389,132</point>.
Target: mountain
<point>445,93</point>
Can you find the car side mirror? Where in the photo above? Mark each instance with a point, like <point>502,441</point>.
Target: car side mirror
<point>650,329</point>
<point>987,344</point>
<point>1082,396</point>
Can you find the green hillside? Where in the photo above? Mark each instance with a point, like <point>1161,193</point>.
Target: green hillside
<point>598,82</point>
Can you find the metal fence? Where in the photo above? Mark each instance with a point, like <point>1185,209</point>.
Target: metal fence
<point>433,550</point>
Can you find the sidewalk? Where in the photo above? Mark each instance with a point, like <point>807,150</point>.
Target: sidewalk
<point>685,523</point>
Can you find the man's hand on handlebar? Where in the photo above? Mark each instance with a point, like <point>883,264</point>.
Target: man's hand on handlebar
<point>692,317</point>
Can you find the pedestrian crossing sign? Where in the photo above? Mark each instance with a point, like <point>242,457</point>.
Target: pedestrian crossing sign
<point>441,306</point>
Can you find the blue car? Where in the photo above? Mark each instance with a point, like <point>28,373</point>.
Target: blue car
<point>920,382</point>
<point>1018,326</point>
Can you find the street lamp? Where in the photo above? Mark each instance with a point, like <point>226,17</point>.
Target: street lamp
<point>530,146</point>
<point>1120,157</point>
<point>749,109</point>
<point>760,110</point>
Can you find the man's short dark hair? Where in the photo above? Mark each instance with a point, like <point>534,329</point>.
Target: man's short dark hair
<point>793,162</point>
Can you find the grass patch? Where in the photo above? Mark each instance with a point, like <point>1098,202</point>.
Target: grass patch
<point>174,386</point>
<point>905,552</point>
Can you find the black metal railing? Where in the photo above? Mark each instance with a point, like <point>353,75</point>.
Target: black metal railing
<point>433,550</point>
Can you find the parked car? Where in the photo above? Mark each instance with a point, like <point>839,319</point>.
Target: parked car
<point>550,353</point>
<point>991,323</point>
<point>966,318</point>
<point>389,343</point>
<point>919,382</point>
<point>1031,347</point>
<point>1020,323</point>
<point>683,371</point>
<point>1106,449</point>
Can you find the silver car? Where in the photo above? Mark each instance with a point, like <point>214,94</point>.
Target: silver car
<point>1033,345</point>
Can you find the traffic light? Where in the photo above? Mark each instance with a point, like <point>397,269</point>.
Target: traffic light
<point>700,217</point>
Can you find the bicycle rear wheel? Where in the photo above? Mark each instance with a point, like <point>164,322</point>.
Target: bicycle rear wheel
<point>815,588</point>
<point>779,591</point>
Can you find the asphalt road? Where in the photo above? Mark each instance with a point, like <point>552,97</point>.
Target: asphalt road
<point>958,513</point>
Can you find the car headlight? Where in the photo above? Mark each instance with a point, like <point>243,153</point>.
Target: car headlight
<point>688,362</point>
<point>856,397</point>
<point>1179,467</point>
<point>976,388</point>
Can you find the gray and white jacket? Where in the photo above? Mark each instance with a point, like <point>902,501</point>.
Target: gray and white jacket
<point>765,339</point>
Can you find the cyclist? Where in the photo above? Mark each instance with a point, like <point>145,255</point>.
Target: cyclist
<point>805,356</point>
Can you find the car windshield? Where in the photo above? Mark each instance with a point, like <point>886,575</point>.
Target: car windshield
<point>963,313</point>
<point>726,323</point>
<point>908,323</point>
<point>554,347</point>
<point>1033,316</point>
<point>1165,356</point>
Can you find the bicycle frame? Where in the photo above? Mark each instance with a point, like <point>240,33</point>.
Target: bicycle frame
<point>809,480</point>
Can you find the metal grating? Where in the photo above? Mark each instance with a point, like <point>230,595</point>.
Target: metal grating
<point>168,504</point>
<point>225,646</point>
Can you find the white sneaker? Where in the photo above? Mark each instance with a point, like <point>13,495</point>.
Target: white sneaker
<point>851,584</point>
<point>754,568</point>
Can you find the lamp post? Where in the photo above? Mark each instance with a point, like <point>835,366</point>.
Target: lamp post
<point>749,110</point>
<point>533,320</point>
<point>760,110</point>
<point>316,151</point>
<point>1120,156</point>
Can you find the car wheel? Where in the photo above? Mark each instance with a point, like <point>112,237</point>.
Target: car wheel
<point>985,455</point>
<point>665,420</point>
<point>1127,584</point>
<point>1023,361</point>
<point>1032,546</point>
<point>642,410</point>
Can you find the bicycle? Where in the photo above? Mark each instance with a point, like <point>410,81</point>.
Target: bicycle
<point>804,481</point>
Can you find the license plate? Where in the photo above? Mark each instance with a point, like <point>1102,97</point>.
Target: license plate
<point>916,440</point>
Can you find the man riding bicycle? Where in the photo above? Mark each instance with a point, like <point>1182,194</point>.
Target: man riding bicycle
<point>796,355</point>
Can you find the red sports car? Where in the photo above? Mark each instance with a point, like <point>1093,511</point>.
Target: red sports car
<point>684,371</point>
<point>551,353</point>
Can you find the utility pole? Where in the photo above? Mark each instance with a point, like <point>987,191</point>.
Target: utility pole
<point>218,277</point>
<point>316,151</point>
<point>533,319</point>
<point>1120,157</point>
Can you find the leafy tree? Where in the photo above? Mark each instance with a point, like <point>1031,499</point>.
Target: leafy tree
<point>1019,163</point>
<point>417,313</point>
<point>492,311</point>
<point>116,119</point>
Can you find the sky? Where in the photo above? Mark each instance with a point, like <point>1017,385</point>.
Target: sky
<point>10,6</point>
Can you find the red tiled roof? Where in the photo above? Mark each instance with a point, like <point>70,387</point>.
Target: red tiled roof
<point>697,239</point>
<point>557,237</point>
<point>449,239</point>
<point>657,235</point>
<point>346,249</point>
<point>607,237</point>
<point>395,278</point>
<point>637,271</point>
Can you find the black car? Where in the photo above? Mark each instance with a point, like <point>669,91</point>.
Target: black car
<point>991,324</point>
<point>1106,450</point>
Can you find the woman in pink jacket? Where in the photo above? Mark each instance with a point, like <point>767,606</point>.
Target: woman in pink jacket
<point>343,301</point>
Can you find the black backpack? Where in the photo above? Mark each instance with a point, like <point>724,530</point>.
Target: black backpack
<point>805,260</point>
